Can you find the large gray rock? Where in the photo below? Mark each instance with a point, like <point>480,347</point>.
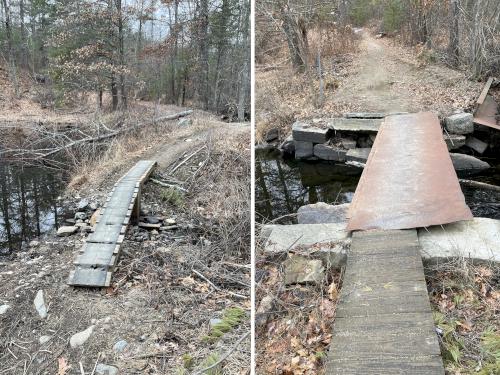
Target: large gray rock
<point>454,141</point>
<point>304,132</point>
<point>478,239</point>
<point>120,346</point>
<point>65,231</point>
<point>359,155</point>
<point>327,152</point>
<point>40,305</point>
<point>272,135</point>
<point>80,338</point>
<point>299,269</point>
<point>355,124</point>
<point>103,369</point>
<point>83,204</point>
<point>348,143</point>
<point>460,123</point>
<point>476,144</point>
<point>466,165</point>
<point>322,213</point>
<point>294,237</point>
<point>303,150</point>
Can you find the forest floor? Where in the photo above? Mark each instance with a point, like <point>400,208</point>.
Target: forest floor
<point>378,76</point>
<point>158,316</point>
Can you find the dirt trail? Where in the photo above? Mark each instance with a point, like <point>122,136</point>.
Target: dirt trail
<point>391,78</point>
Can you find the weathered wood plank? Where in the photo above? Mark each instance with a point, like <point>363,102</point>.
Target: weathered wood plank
<point>383,320</point>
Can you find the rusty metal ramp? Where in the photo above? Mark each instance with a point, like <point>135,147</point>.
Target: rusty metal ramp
<point>409,180</point>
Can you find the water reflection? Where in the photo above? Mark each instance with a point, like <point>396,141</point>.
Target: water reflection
<point>28,204</point>
<point>282,186</point>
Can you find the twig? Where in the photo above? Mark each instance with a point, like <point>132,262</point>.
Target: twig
<point>217,288</point>
<point>186,159</point>
<point>81,368</point>
<point>223,358</point>
<point>158,182</point>
<point>95,365</point>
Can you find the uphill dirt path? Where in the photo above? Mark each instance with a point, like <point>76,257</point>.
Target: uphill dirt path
<point>386,77</point>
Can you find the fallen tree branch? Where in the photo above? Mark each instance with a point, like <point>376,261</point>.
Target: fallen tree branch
<point>226,355</point>
<point>186,159</point>
<point>216,287</point>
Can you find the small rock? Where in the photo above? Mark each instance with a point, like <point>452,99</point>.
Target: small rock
<point>154,231</point>
<point>80,216</point>
<point>185,122</point>
<point>80,338</point>
<point>34,243</point>
<point>66,231</point>
<point>120,346</point>
<point>288,146</point>
<point>43,339</point>
<point>70,221</point>
<point>272,135</point>
<point>476,144</point>
<point>299,269</point>
<point>40,304</point>
<point>93,206</point>
<point>170,221</point>
<point>152,219</point>
<point>215,321</point>
<point>103,369</point>
<point>3,309</point>
<point>83,204</point>
<point>348,143</point>
<point>460,123</point>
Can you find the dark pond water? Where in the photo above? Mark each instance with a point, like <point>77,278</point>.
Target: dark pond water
<point>28,204</point>
<point>282,186</point>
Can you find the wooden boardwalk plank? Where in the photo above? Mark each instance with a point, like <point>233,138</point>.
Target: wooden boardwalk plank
<point>383,321</point>
<point>93,267</point>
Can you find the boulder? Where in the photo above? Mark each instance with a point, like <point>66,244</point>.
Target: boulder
<point>460,123</point>
<point>283,238</point>
<point>40,306</point>
<point>299,269</point>
<point>80,338</point>
<point>477,239</point>
<point>288,146</point>
<point>467,165</point>
<point>355,124</point>
<point>307,133</point>
<point>303,150</point>
<point>65,231</point>
<point>359,155</point>
<point>454,141</point>
<point>321,213</point>
<point>348,143</point>
<point>476,144</point>
<point>327,152</point>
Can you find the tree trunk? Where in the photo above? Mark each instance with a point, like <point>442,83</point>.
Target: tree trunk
<point>123,89</point>
<point>10,51</point>
<point>454,34</point>
<point>245,73</point>
<point>114,92</point>
<point>203,54</point>
<point>293,38</point>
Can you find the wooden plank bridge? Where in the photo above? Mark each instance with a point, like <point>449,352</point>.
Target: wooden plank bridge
<point>100,253</point>
<point>384,323</point>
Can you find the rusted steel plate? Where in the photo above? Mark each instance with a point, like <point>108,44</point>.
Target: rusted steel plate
<point>487,113</point>
<point>409,180</point>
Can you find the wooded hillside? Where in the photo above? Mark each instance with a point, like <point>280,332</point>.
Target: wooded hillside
<point>189,53</point>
